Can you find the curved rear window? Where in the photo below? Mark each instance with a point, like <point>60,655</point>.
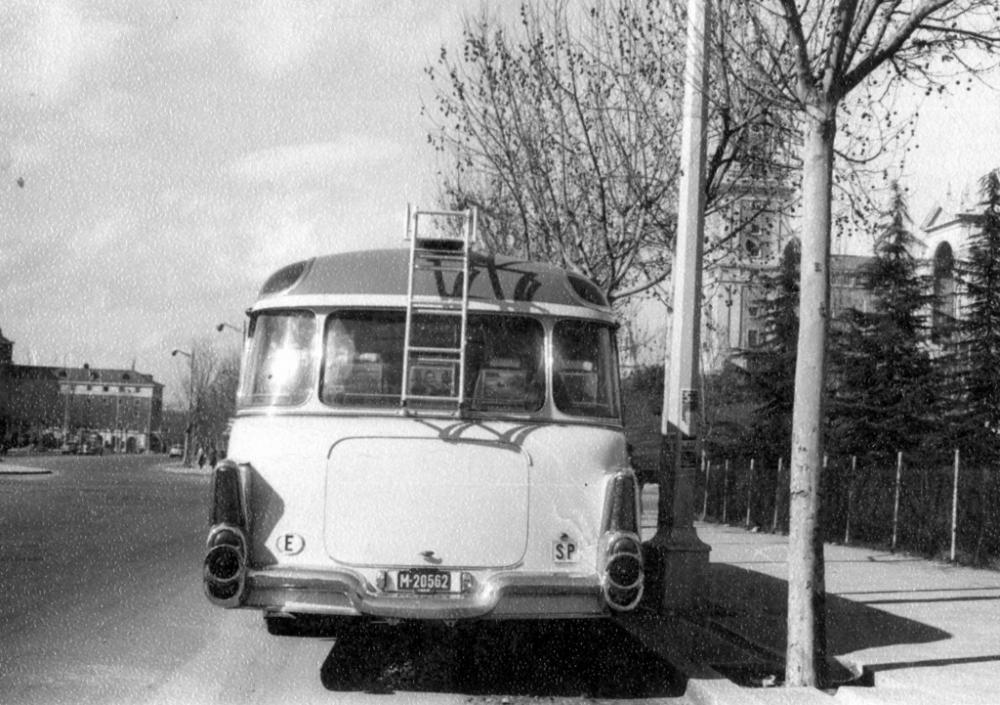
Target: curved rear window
<point>363,361</point>
<point>363,358</point>
<point>280,359</point>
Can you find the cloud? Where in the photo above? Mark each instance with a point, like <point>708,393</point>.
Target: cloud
<point>319,160</point>
<point>272,38</point>
<point>46,47</point>
<point>275,38</point>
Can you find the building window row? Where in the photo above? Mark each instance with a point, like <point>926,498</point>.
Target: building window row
<point>69,388</point>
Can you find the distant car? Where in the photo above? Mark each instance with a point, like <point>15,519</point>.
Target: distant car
<point>92,449</point>
<point>175,452</point>
<point>68,448</point>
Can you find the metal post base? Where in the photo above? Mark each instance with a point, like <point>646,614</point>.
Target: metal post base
<point>677,571</point>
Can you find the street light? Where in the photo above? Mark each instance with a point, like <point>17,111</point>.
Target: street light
<point>230,326</point>
<point>683,557</point>
<point>187,429</point>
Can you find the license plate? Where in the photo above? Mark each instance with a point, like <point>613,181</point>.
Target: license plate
<point>424,580</point>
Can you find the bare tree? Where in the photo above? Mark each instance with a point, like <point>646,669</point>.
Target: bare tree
<point>815,56</point>
<point>564,131</point>
<point>209,383</point>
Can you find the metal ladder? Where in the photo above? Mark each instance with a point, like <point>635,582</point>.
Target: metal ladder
<point>437,255</point>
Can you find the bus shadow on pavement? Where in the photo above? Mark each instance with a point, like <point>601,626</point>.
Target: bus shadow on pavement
<point>594,659</point>
<point>751,607</point>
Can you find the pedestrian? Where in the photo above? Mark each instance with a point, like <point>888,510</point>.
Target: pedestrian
<point>213,458</point>
<point>201,457</point>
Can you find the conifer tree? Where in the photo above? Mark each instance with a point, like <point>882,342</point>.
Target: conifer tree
<point>771,365</point>
<point>979,327</point>
<point>978,356</point>
<point>883,389</point>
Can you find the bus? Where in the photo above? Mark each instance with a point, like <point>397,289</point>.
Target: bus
<point>426,433</point>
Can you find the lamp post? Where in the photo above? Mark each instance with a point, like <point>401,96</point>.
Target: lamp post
<point>681,557</point>
<point>222,326</point>
<point>187,429</point>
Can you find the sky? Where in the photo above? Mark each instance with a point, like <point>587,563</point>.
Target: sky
<point>159,159</point>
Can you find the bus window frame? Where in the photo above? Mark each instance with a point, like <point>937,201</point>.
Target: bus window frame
<point>248,372</point>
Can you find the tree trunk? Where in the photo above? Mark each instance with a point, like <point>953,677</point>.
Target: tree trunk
<point>805,655</point>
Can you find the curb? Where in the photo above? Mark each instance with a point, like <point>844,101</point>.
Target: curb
<point>182,470</point>
<point>8,469</point>
<point>691,648</point>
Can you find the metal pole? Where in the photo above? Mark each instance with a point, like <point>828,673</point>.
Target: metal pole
<point>749,491</point>
<point>895,504</point>
<point>683,557</point>
<point>190,421</point>
<point>725,489</point>
<point>954,507</point>
<point>850,487</point>
<point>708,477</point>
<point>777,496</point>
<point>187,431</point>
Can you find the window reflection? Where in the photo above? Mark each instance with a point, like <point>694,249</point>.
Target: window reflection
<point>362,362</point>
<point>280,359</point>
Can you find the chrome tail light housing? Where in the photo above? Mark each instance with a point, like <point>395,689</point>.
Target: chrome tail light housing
<point>622,569</point>
<point>622,574</point>
<point>225,567</point>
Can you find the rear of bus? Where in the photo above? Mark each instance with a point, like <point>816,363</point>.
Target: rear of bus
<point>364,485</point>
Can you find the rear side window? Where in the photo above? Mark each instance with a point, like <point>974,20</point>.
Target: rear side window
<point>584,369</point>
<point>280,359</point>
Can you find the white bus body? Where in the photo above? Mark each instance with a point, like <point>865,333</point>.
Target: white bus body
<point>498,490</point>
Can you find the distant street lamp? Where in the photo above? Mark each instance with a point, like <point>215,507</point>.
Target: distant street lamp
<point>187,429</point>
<point>230,326</point>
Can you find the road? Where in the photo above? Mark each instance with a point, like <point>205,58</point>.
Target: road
<point>101,602</point>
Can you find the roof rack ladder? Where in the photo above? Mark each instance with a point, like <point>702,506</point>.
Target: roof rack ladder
<point>437,255</point>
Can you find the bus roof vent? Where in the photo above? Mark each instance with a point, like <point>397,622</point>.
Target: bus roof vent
<point>285,278</point>
<point>587,290</point>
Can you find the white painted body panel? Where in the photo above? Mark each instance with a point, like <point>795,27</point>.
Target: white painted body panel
<point>328,509</point>
<point>488,494</point>
<point>390,500</point>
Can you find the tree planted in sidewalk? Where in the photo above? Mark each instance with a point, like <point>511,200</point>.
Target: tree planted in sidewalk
<point>817,55</point>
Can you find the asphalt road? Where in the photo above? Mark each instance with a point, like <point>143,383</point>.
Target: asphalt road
<point>101,602</point>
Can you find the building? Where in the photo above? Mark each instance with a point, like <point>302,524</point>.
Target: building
<point>50,405</point>
<point>946,231</point>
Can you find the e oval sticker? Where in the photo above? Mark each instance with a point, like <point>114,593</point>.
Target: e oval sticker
<point>290,544</point>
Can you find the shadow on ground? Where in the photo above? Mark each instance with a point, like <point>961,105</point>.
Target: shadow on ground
<point>753,605</point>
<point>566,658</point>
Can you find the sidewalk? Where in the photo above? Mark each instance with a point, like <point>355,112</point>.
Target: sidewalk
<point>923,631</point>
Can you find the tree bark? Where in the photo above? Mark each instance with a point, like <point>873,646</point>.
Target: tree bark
<point>805,654</point>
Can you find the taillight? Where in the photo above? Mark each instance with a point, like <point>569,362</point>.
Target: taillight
<point>623,577</point>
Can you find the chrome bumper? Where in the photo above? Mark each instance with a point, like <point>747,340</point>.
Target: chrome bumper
<point>501,596</point>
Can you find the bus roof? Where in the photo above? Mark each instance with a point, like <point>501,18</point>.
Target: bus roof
<point>385,272</point>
